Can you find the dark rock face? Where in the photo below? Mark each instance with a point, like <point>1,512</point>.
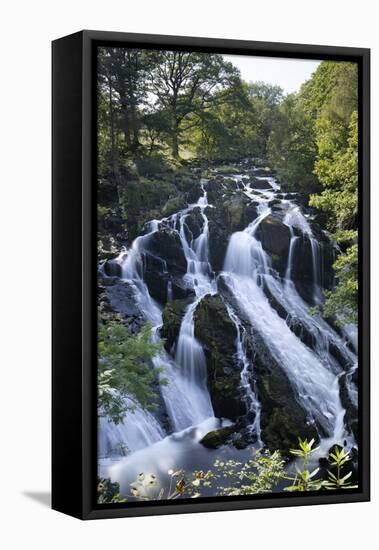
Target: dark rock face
<point>193,224</point>
<point>172,318</point>
<point>158,279</point>
<point>259,183</point>
<point>217,438</point>
<point>218,239</point>
<point>282,418</point>
<point>194,194</point>
<point>275,236</point>
<point>351,415</point>
<point>121,299</point>
<point>112,268</point>
<point>238,213</point>
<point>238,435</point>
<point>232,214</point>
<point>217,334</point>
<point>166,245</point>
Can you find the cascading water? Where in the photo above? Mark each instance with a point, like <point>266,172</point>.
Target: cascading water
<point>138,429</point>
<point>258,292</point>
<point>246,267</point>
<point>247,384</point>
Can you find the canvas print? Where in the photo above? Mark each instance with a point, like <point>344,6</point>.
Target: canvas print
<point>227,260</point>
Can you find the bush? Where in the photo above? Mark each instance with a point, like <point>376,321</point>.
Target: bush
<point>151,166</point>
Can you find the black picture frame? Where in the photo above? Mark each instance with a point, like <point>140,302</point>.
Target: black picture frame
<point>74,272</point>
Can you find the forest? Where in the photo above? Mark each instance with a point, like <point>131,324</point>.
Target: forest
<point>228,278</point>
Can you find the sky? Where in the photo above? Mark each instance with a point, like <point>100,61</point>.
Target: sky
<point>289,74</point>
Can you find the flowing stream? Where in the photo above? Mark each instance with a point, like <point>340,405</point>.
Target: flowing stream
<point>142,442</point>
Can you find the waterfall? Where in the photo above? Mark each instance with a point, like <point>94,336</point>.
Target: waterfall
<point>316,386</point>
<point>186,395</point>
<point>247,384</point>
<point>189,353</point>
<point>138,429</point>
<point>291,253</point>
<point>295,218</point>
<point>262,299</point>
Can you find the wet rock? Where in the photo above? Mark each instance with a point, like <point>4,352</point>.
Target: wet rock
<point>218,239</point>
<point>282,418</point>
<point>351,414</point>
<point>166,245</point>
<point>238,213</point>
<point>172,319</point>
<point>217,438</point>
<point>217,333</point>
<point>158,280</point>
<point>231,215</point>
<point>112,268</point>
<point>121,299</point>
<point>193,224</point>
<point>262,184</point>
<point>194,194</point>
<point>275,236</point>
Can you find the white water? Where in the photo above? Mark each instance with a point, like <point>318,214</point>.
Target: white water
<point>138,430</point>
<point>246,266</point>
<point>313,373</point>
<point>247,384</point>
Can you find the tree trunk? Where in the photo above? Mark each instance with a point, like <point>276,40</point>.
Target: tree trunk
<point>114,155</point>
<point>175,140</point>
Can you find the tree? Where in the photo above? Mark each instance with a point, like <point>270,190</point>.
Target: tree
<point>125,370</point>
<point>292,147</point>
<point>123,76</point>
<point>184,85</point>
<point>265,100</point>
<point>228,128</point>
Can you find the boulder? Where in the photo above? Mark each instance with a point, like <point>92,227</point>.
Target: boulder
<point>217,438</point>
<point>261,184</point>
<point>217,333</point>
<point>237,213</point>
<point>166,245</point>
<point>218,240</point>
<point>158,279</point>
<point>112,268</point>
<point>194,194</point>
<point>193,224</point>
<point>121,299</point>
<point>275,236</point>
<point>283,419</point>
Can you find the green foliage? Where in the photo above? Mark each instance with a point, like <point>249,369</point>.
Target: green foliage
<point>148,486</point>
<point>265,101</point>
<point>228,128</point>
<point>305,480</point>
<point>124,369</point>
<point>261,474</point>
<point>343,301</point>
<point>337,170</point>
<point>338,458</point>
<point>108,492</point>
<point>292,147</point>
<point>258,475</point>
<point>151,166</point>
